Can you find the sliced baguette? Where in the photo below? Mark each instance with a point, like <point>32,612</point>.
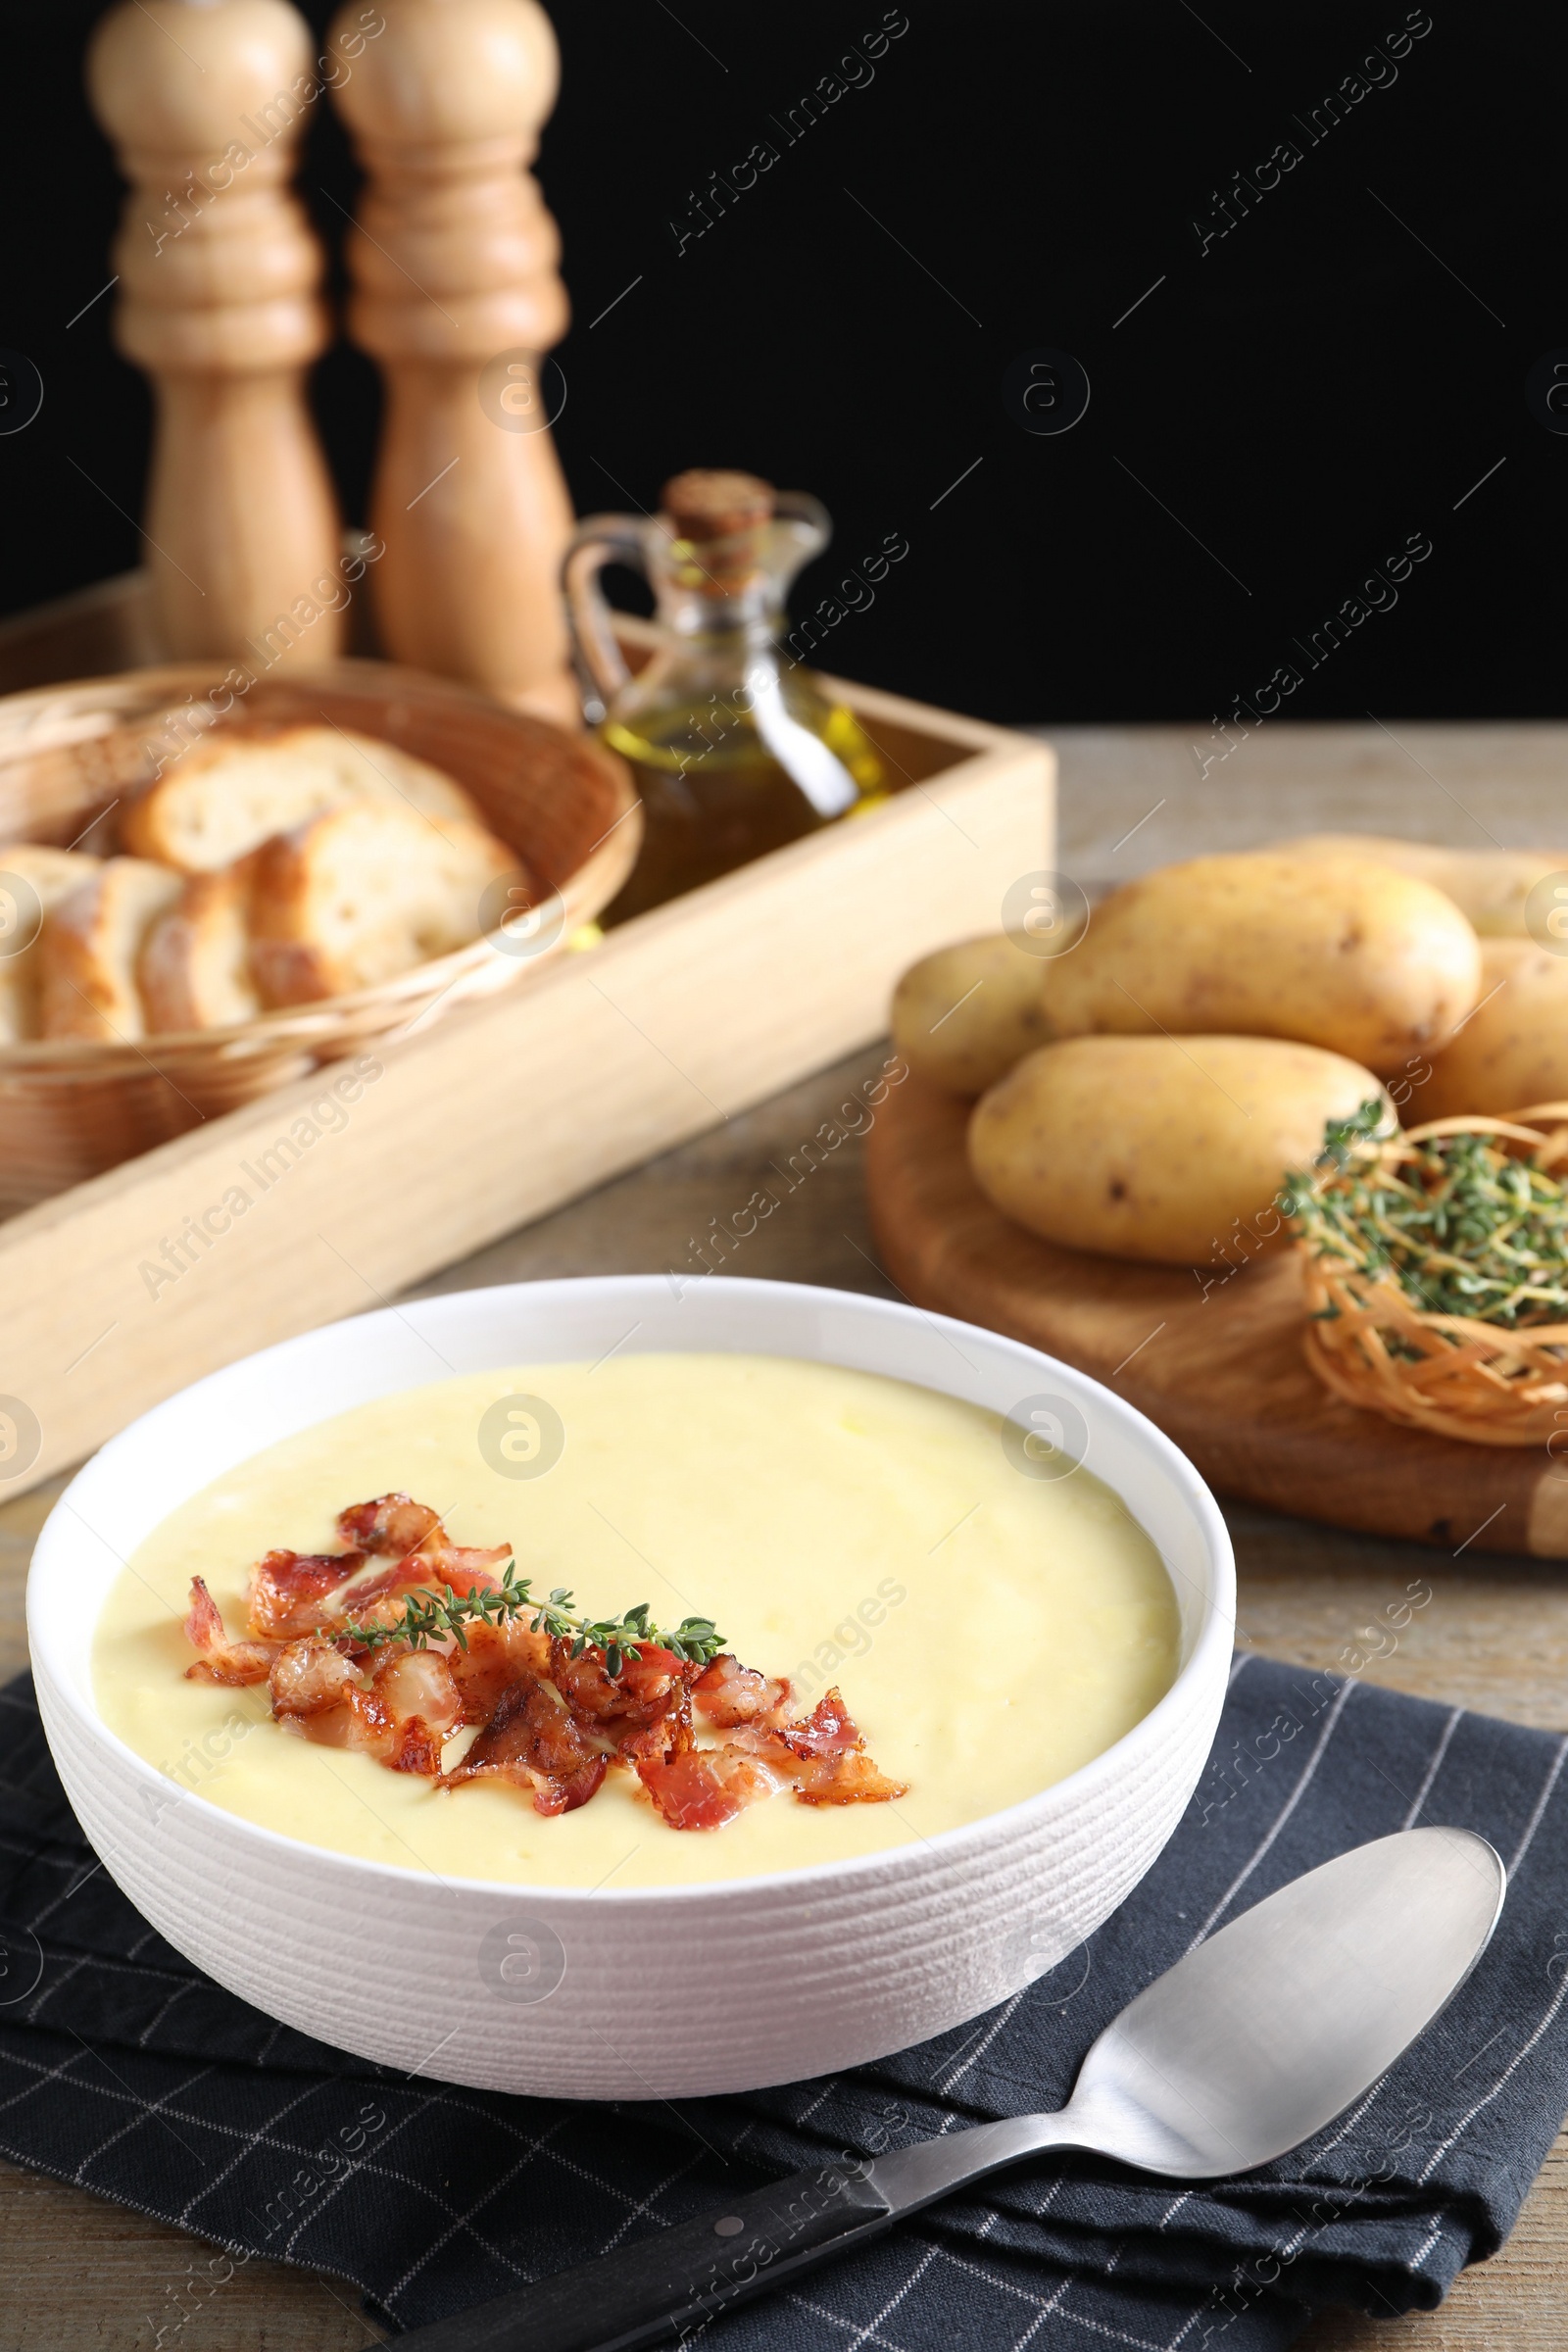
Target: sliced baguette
<point>364,893</point>
<point>195,970</point>
<point>90,947</point>
<point>228,793</point>
<point>47,876</point>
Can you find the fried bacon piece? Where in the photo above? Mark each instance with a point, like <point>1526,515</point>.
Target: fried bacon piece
<point>704,1787</point>
<point>392,1523</point>
<point>221,1660</point>
<point>309,1675</point>
<point>410,1536</point>
<point>290,1590</point>
<point>378,1602</point>
<point>669,1734</point>
<point>402,1716</point>
<point>461,1569</point>
<point>645,1709</point>
<point>824,1757</point>
<point>533,1741</point>
<point>648,1685</point>
<point>426,1705</point>
<point>303,1592</point>
<point>726,1694</point>
<point>496,1656</point>
<point>828,1731</point>
<point>418,1750</point>
<point>361,1720</point>
<point>466,1568</point>
<point>420,1682</point>
<point>848,1779</point>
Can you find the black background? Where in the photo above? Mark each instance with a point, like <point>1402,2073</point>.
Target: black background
<point>1280,416</point>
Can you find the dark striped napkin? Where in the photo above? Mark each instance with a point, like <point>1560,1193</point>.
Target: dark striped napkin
<point>126,2071</point>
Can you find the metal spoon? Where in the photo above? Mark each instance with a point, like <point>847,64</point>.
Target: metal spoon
<point>1248,2046</point>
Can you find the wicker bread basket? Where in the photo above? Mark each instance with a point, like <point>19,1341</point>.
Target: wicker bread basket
<point>1456,1375</point>
<point>71,1107</point>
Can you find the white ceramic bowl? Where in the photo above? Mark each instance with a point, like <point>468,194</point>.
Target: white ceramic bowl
<point>649,1992</point>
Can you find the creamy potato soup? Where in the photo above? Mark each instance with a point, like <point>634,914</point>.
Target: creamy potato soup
<point>989,1631</point>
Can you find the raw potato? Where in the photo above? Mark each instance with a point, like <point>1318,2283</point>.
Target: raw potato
<point>1490,886</point>
<point>1513,1049</point>
<point>1156,1148</point>
<point>964,1015</point>
<point>1345,955</point>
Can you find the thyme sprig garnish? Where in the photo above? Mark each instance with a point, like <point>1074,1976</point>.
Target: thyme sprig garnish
<point>431,1615</point>
<point>1461,1224</point>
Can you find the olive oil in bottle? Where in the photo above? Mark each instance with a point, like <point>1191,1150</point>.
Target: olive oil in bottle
<point>736,749</point>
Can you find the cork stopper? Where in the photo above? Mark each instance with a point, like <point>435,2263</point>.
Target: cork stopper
<point>722,516</point>
<point>711,503</point>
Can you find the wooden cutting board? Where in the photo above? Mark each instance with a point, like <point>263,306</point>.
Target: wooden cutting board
<point>1221,1371</point>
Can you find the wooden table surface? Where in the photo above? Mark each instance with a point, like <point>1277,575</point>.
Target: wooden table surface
<point>77,2273</point>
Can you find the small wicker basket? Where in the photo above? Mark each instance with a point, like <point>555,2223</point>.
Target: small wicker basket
<point>1454,1375</point>
<point>71,1107</point>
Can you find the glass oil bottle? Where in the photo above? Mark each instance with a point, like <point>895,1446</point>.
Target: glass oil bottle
<point>736,749</point>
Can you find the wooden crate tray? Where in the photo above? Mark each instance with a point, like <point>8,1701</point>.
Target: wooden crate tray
<point>679,1019</point>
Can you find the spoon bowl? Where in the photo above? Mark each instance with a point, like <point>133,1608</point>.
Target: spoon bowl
<point>1264,2033</point>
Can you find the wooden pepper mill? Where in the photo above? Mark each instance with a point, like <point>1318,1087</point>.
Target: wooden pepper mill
<point>219,273</point>
<point>453,264</point>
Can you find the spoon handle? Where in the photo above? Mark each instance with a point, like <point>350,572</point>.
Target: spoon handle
<point>658,2285</point>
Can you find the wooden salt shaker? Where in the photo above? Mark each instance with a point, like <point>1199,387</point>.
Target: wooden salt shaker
<point>453,264</point>
<point>219,273</point>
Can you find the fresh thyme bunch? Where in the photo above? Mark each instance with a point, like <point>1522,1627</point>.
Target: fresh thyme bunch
<point>1462,1226</point>
<point>429,1616</point>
